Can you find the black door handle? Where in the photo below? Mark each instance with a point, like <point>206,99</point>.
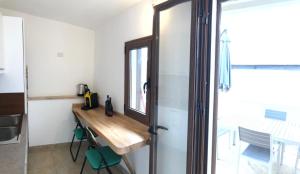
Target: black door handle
<point>146,85</point>
<point>154,132</point>
<point>162,127</point>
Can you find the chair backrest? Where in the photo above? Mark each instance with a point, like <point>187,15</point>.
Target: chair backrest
<point>277,115</point>
<point>255,138</point>
<point>91,138</point>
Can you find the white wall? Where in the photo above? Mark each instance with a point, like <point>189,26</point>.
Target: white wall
<point>256,38</point>
<point>44,39</point>
<point>51,121</point>
<point>134,23</point>
<point>12,80</point>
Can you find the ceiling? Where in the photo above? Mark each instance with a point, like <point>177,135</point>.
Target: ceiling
<point>85,13</point>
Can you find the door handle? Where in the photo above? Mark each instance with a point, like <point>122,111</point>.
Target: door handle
<point>146,85</point>
<point>162,127</point>
<point>154,132</point>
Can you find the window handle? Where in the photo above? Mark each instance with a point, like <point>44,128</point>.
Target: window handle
<point>146,85</point>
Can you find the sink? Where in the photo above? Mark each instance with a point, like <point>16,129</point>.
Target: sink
<point>9,126</point>
<point>8,133</point>
<point>10,120</point>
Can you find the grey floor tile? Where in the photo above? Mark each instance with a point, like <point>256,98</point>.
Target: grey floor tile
<point>40,160</point>
<point>42,171</point>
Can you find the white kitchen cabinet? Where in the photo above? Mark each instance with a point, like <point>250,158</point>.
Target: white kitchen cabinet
<point>2,59</point>
<point>12,80</point>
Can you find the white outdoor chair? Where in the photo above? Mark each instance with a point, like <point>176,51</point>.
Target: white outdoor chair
<point>259,148</point>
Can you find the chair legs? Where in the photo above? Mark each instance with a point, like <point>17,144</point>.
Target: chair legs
<point>83,165</point>
<point>74,158</point>
<point>234,137</point>
<point>108,170</point>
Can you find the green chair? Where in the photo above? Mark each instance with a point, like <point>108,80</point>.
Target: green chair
<point>80,134</point>
<point>99,157</point>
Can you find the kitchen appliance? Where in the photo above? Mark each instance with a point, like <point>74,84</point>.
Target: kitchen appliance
<point>90,99</point>
<point>82,89</point>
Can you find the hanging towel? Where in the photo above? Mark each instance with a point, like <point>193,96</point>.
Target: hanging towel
<point>224,63</point>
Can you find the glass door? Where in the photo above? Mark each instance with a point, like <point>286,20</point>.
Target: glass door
<point>172,68</point>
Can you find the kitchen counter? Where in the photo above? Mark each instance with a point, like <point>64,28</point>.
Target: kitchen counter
<point>13,157</point>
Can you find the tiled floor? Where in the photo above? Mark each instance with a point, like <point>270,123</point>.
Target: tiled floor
<point>56,159</point>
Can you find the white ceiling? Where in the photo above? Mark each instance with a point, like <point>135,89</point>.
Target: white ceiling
<point>86,13</point>
<point>239,4</point>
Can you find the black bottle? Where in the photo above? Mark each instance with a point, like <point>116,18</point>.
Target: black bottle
<point>108,106</point>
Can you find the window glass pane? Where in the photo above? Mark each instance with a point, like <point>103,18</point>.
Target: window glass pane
<point>138,76</point>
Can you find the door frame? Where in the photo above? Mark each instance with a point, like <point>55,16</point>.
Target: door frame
<point>214,115</point>
<point>199,76</point>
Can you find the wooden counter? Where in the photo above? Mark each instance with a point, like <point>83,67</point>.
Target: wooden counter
<point>60,97</point>
<point>123,134</point>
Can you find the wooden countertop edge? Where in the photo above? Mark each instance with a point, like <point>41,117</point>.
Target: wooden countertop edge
<point>60,97</point>
<point>121,150</point>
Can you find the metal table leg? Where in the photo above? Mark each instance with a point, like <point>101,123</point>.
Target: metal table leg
<point>281,153</point>
<point>128,165</point>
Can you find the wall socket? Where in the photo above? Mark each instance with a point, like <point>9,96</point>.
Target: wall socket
<point>60,54</point>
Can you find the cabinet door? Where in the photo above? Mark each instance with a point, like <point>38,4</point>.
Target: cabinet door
<point>12,80</point>
<point>2,66</point>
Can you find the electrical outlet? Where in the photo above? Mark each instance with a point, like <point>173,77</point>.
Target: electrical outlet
<point>60,54</point>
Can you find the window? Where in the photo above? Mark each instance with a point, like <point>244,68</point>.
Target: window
<point>137,78</point>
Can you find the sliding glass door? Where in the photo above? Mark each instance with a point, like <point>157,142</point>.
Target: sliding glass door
<point>173,88</point>
<point>172,67</point>
<point>179,76</point>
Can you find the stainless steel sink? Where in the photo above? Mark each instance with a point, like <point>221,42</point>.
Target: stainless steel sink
<point>8,133</point>
<point>9,126</point>
<point>10,120</point>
